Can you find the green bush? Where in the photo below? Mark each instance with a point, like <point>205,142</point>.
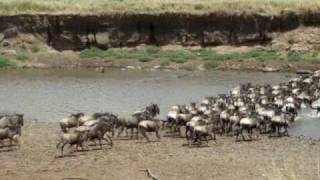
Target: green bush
<point>144,59</point>
<point>4,62</point>
<point>153,49</point>
<point>22,57</point>
<point>260,55</point>
<point>92,52</point>
<point>177,56</point>
<point>35,48</point>
<point>294,57</point>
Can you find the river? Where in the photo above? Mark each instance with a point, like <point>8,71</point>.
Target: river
<point>49,95</point>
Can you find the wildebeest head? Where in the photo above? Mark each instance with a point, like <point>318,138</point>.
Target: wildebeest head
<point>153,109</point>
<point>77,115</point>
<point>20,119</point>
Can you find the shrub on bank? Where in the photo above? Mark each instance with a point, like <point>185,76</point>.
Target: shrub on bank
<point>4,62</point>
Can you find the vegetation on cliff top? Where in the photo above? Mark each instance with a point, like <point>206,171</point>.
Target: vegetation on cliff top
<point>269,7</point>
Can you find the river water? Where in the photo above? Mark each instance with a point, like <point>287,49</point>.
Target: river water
<point>49,95</point>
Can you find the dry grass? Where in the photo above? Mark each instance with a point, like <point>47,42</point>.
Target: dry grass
<point>13,7</point>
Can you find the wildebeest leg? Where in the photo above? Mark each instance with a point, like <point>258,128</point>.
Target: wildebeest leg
<point>1,142</point>
<point>221,128</point>
<point>112,132</point>
<point>241,131</point>
<point>10,143</point>
<point>257,133</point>
<point>230,127</point>
<point>62,146</point>
<point>108,139</point>
<point>82,146</point>
<point>131,131</point>
<point>158,135</point>
<point>250,133</point>
<point>237,135</point>
<point>273,130</point>
<point>137,134</point>
<point>120,131</point>
<point>57,146</point>
<point>278,131</point>
<point>286,133</point>
<point>186,132</point>
<point>143,132</point>
<point>213,135</point>
<point>100,144</point>
<point>207,141</point>
<point>199,138</point>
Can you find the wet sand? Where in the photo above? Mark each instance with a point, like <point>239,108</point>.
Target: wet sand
<point>169,159</point>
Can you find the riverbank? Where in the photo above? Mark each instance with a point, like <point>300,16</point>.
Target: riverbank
<point>248,58</point>
<point>271,36</point>
<point>265,159</point>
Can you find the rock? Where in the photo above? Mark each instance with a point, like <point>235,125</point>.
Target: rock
<point>156,67</point>
<point>100,69</point>
<point>52,51</point>
<point>316,103</point>
<point>5,43</point>
<point>270,69</point>
<point>10,32</point>
<point>103,38</point>
<point>304,72</point>
<point>216,37</point>
<point>298,49</point>
<point>131,67</point>
<point>67,41</point>
<point>259,47</point>
<point>1,37</point>
<point>8,52</point>
<point>201,67</point>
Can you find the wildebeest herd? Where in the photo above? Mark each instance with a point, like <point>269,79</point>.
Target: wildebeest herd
<point>247,110</point>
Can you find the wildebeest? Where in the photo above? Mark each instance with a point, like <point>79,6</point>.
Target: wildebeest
<point>248,124</point>
<point>8,133</point>
<point>12,121</point>
<point>99,129</point>
<point>149,126</point>
<point>71,121</point>
<point>77,137</point>
<point>149,113</point>
<point>132,123</point>
<point>203,130</point>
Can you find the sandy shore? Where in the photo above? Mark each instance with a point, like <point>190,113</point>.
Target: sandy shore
<point>266,158</point>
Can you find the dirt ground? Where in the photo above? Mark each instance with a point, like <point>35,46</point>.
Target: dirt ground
<point>266,158</point>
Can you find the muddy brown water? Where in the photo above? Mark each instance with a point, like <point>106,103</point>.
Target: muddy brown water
<point>49,95</point>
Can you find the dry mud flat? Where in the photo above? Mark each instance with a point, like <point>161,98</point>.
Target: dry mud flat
<point>266,158</point>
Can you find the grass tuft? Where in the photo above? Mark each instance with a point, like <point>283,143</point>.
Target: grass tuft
<point>4,62</point>
<point>271,7</point>
<point>22,57</point>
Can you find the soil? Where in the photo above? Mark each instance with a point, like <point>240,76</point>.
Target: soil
<point>264,158</point>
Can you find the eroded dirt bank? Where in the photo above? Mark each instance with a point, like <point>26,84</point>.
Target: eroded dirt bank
<point>74,32</point>
<point>56,41</point>
<point>265,159</point>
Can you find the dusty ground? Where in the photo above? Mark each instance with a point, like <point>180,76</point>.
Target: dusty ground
<point>283,158</point>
